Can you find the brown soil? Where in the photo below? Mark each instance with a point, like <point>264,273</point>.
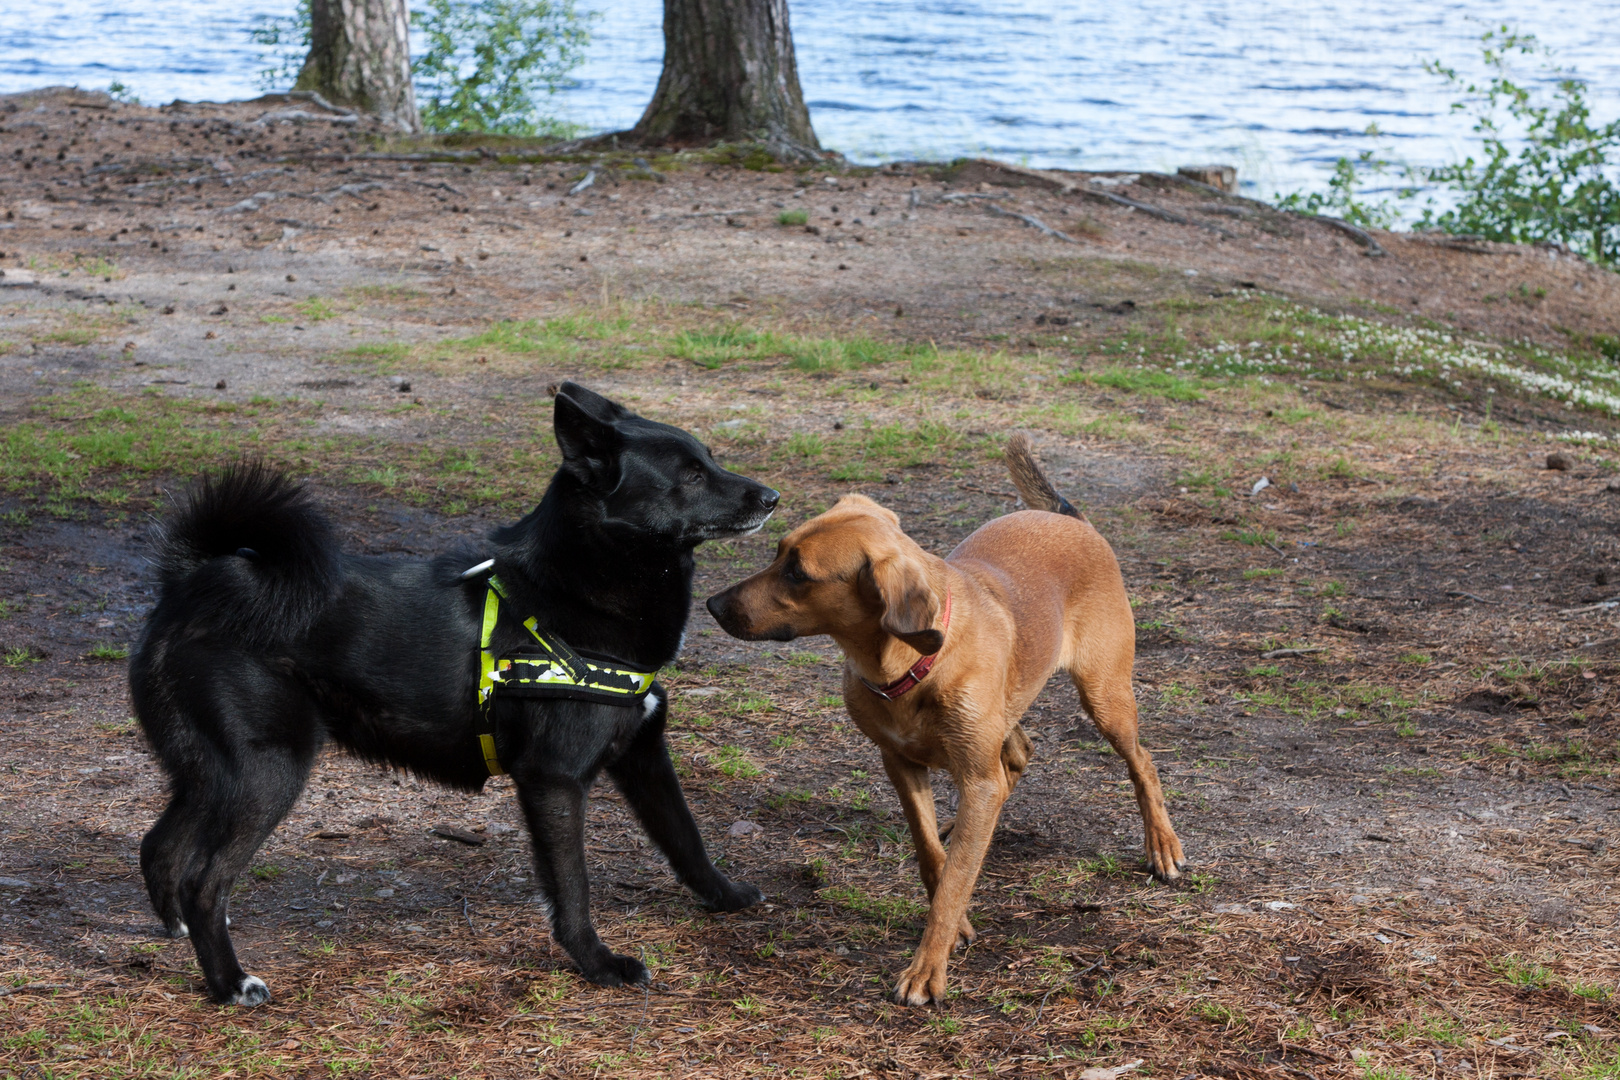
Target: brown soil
<point>1403,841</point>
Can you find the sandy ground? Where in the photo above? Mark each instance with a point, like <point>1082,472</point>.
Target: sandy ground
<point>1403,864</point>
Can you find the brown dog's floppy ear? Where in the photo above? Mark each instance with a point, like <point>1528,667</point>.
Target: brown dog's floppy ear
<point>909,604</point>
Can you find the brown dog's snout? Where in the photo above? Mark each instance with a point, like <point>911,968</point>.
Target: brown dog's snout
<point>730,609</point>
<point>720,606</point>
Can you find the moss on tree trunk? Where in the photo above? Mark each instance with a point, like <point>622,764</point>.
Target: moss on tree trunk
<point>359,56</point>
<point>729,76</point>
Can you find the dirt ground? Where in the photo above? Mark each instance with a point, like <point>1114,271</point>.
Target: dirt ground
<point>1401,828</point>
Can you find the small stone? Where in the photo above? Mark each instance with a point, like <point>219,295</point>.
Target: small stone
<point>1614,485</point>
<point>15,883</point>
<point>220,385</point>
<point>292,277</point>
<point>743,828</point>
<point>1560,461</point>
<point>383,894</point>
<point>500,828</point>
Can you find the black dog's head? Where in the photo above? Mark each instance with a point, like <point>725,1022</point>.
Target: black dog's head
<point>650,478</point>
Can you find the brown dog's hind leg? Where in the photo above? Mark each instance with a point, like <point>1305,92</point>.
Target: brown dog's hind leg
<point>917,801</point>
<point>1015,754</point>
<point>1112,706</point>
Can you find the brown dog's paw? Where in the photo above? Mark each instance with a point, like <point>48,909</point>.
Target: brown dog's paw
<point>965,934</point>
<point>1166,861</point>
<point>922,984</point>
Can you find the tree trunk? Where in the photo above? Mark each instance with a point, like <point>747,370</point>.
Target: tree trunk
<point>729,76</point>
<point>359,56</point>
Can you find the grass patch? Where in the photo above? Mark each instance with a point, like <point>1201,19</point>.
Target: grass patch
<point>316,309</point>
<point>793,217</point>
<point>887,911</point>
<point>1141,380</point>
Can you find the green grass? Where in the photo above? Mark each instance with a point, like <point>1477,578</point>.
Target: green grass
<point>793,217</point>
<point>19,655</point>
<point>1516,971</point>
<point>888,911</point>
<point>712,348</point>
<point>733,762</point>
<point>1252,537</point>
<point>102,651</point>
<point>1262,572</point>
<point>316,309</point>
<point>1142,381</point>
<point>1317,701</point>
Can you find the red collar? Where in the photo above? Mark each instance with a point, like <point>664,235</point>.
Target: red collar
<point>918,671</point>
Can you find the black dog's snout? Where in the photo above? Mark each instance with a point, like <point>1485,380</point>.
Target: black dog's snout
<point>769,498</point>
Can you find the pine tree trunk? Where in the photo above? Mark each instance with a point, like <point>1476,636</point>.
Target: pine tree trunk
<point>729,76</point>
<point>359,56</point>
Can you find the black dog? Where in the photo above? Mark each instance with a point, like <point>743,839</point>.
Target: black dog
<point>266,640</point>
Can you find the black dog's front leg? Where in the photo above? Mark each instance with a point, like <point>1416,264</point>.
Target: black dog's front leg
<point>555,809</point>
<point>646,777</point>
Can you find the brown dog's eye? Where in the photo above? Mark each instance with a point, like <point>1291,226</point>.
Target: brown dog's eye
<point>795,574</point>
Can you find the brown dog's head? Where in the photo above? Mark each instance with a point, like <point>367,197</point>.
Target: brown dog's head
<point>849,572</point>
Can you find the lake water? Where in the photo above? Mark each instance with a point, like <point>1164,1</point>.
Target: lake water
<point>1280,88</point>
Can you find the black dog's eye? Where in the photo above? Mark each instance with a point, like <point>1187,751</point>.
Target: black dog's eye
<point>795,575</point>
<point>692,474</point>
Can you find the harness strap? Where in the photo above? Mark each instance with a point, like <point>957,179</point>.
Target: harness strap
<point>918,671</point>
<point>554,670</point>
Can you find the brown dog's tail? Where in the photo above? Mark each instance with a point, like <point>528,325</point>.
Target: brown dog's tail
<point>1033,486</point>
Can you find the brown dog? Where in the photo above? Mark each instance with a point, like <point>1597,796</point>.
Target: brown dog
<point>943,657</point>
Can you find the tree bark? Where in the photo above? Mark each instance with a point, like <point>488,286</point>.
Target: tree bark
<point>359,56</point>
<point>729,76</point>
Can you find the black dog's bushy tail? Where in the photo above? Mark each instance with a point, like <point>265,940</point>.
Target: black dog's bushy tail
<point>1033,486</point>
<point>247,554</point>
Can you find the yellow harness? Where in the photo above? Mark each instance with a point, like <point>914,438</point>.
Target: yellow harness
<point>554,670</point>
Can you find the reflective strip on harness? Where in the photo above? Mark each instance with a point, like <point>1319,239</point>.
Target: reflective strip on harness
<point>554,670</point>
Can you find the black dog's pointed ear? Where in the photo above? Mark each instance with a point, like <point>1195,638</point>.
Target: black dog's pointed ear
<point>590,401</point>
<point>589,443</point>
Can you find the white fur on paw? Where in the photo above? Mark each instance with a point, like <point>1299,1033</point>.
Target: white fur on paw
<point>649,705</point>
<point>181,929</point>
<point>227,920</point>
<point>251,991</point>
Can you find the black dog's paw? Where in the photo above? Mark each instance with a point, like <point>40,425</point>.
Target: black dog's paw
<point>250,992</point>
<point>611,969</point>
<point>736,896</point>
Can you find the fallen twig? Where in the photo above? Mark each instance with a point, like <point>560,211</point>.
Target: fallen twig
<point>1032,221</point>
<point>1601,605</point>
<point>1152,211</point>
<point>964,487</point>
<point>1358,235</point>
<point>702,213</point>
<point>32,988</point>
<point>1278,654</point>
<point>1459,594</point>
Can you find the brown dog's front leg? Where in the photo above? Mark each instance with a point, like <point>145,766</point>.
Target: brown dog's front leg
<point>910,782</point>
<point>924,980</point>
